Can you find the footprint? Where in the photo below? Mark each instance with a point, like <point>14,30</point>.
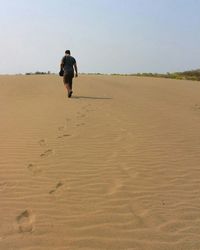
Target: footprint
<point>196,107</point>
<point>80,124</point>
<point>61,136</point>
<point>25,221</point>
<point>58,185</point>
<point>66,135</point>
<point>61,128</point>
<point>42,142</point>
<point>34,168</point>
<point>46,153</point>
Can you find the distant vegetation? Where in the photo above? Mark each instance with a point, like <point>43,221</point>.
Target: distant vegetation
<point>186,75</point>
<point>39,73</point>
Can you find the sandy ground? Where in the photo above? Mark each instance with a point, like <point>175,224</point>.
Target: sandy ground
<point>115,167</point>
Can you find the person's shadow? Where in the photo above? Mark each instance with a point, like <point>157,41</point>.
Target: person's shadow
<point>91,97</point>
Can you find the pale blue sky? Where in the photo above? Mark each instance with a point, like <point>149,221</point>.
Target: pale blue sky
<point>107,36</point>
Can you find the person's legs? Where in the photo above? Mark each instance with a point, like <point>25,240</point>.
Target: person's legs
<point>70,87</point>
<point>67,79</point>
<point>70,80</point>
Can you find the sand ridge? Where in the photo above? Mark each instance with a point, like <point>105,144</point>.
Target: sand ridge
<point>114,167</point>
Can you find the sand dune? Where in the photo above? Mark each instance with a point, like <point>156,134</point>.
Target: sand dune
<point>115,167</point>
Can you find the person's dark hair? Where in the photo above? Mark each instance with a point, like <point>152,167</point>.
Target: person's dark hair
<point>67,52</point>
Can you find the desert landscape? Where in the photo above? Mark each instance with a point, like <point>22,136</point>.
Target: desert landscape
<point>115,167</point>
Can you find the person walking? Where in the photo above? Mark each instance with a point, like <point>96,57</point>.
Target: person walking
<point>68,65</point>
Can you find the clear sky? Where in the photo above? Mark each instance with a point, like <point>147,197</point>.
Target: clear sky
<point>107,36</point>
